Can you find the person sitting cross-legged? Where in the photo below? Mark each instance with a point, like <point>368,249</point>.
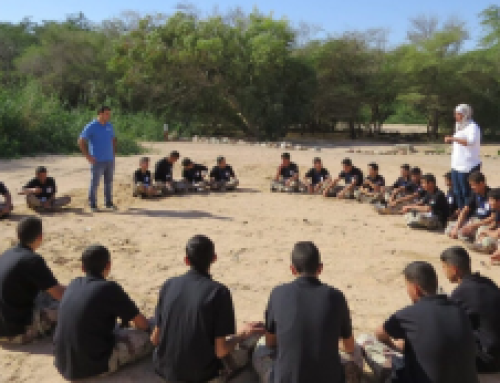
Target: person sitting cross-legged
<point>194,176</point>
<point>287,176</point>
<point>454,211</point>
<point>222,176</point>
<point>317,177</point>
<point>352,177</point>
<point>434,336</point>
<point>480,298</point>
<point>195,334</point>
<point>431,212</point>
<point>28,290</point>
<point>398,189</point>
<point>41,192</point>
<point>164,178</point>
<point>6,207</point>
<point>143,183</point>
<point>88,340</point>
<point>309,335</point>
<point>372,189</point>
<point>476,216</point>
<point>488,237</point>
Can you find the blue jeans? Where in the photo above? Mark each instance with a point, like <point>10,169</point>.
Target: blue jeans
<point>461,186</point>
<point>98,170</point>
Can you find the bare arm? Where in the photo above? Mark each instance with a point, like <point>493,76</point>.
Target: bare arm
<point>347,345</point>
<point>141,322</point>
<point>56,292</point>
<point>224,345</point>
<point>155,336</point>
<point>462,218</point>
<point>271,340</point>
<point>114,146</point>
<point>383,337</point>
<point>82,144</point>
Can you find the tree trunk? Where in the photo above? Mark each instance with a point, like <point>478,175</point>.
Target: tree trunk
<point>352,129</point>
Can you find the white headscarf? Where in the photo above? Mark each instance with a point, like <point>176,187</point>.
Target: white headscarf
<point>466,111</point>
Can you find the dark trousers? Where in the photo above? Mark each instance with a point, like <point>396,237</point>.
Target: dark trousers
<point>461,186</point>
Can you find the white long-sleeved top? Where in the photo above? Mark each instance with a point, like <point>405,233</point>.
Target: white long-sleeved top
<point>465,158</point>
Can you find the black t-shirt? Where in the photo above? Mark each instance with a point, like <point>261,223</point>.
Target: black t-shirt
<point>48,188</point>
<point>195,174</point>
<point>193,310</point>
<point>308,319</point>
<point>439,343</point>
<point>163,171</point>
<point>355,175</point>
<point>413,188</point>
<point>317,177</point>
<point>3,189</point>
<point>401,182</point>
<point>452,202</point>
<point>141,177</point>
<point>84,338</point>
<point>222,174</point>
<point>479,206</point>
<point>377,180</point>
<point>438,203</point>
<point>480,298</point>
<point>23,275</point>
<point>289,171</point>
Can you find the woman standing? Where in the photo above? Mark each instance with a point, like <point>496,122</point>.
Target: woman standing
<point>465,157</point>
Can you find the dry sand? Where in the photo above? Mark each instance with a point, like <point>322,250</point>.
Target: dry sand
<point>254,231</point>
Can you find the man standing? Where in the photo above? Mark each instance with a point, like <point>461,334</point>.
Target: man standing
<point>98,144</point>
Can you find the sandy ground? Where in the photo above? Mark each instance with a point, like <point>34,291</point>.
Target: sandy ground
<point>253,229</point>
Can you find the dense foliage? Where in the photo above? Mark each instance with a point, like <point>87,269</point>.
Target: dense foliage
<point>238,74</point>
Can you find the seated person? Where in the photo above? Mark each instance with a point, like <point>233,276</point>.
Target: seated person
<point>317,177</point>
<point>143,183</point>
<point>480,298</point>
<point>6,207</point>
<point>88,341</point>
<point>41,192</point>
<point>287,177</point>
<point>194,175</point>
<point>433,334</point>
<point>195,334</point>
<point>413,192</point>
<point>373,186</point>
<point>308,324</point>
<point>222,176</point>
<point>353,178</point>
<point>28,289</point>
<point>398,189</point>
<point>431,212</point>
<point>450,197</point>
<point>476,216</point>
<point>487,237</point>
<point>164,177</point>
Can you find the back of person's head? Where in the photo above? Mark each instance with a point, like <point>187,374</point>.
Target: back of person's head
<point>200,251</point>
<point>29,229</point>
<point>415,171</point>
<point>285,156</point>
<point>347,162</point>
<point>306,258</point>
<point>423,275</point>
<point>220,160</point>
<point>174,154</point>
<point>405,167</point>
<point>458,257</point>
<point>144,160</point>
<point>317,160</point>
<point>95,259</point>
<point>41,170</point>
<point>448,176</point>
<point>477,178</point>
<point>186,162</point>
<point>429,178</point>
<point>374,166</point>
<point>103,109</point>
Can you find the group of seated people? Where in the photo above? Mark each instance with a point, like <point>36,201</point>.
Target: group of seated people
<point>306,334</point>
<point>413,194</point>
<point>195,177</point>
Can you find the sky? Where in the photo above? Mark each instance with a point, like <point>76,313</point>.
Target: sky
<point>332,16</point>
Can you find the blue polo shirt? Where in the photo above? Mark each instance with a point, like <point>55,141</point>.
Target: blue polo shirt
<point>100,139</point>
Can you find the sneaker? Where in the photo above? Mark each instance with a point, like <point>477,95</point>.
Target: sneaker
<point>111,207</point>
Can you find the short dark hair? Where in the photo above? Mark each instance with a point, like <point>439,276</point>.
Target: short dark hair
<point>429,178</point>
<point>103,109</point>
<point>415,171</point>
<point>285,156</point>
<point>405,167</point>
<point>41,170</point>
<point>174,154</point>
<point>423,275</point>
<point>316,160</point>
<point>347,162</point>
<point>448,176</point>
<point>186,162</point>
<point>477,178</point>
<point>457,256</point>
<point>374,166</point>
<point>143,160</point>
<point>306,257</point>
<point>95,259</point>
<point>200,251</point>
<point>28,230</point>
<point>220,159</point>
<point>494,194</point>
